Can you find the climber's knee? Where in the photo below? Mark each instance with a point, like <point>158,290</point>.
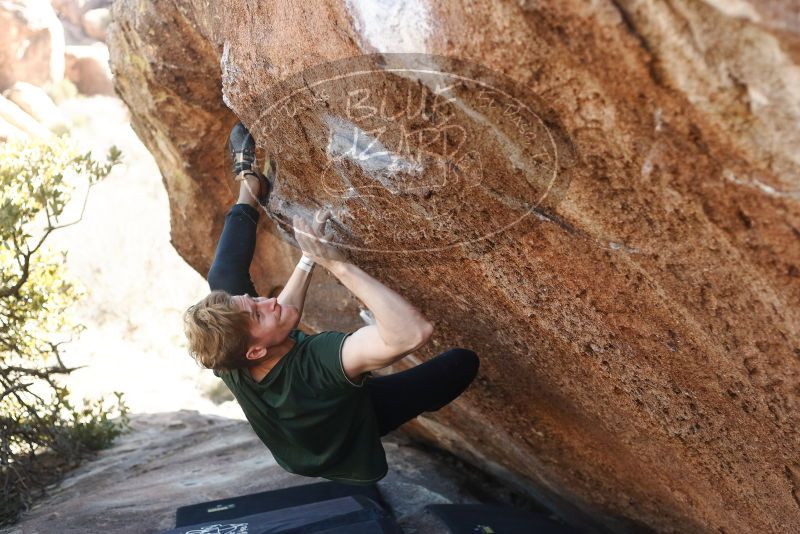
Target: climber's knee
<point>468,363</point>
<point>460,369</point>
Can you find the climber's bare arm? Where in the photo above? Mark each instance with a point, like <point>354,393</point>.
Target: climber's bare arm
<point>400,328</point>
<point>294,292</point>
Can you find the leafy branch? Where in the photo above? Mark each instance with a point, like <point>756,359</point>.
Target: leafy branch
<point>42,434</point>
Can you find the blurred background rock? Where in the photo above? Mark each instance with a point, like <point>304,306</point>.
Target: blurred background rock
<point>55,80</point>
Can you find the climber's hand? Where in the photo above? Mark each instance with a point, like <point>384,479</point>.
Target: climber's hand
<point>314,241</point>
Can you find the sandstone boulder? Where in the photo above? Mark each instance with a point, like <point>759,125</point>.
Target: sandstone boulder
<point>12,114</point>
<point>31,43</point>
<point>9,132</point>
<point>600,198</point>
<point>74,10</point>
<point>95,23</point>
<point>36,103</point>
<point>69,10</point>
<point>87,67</point>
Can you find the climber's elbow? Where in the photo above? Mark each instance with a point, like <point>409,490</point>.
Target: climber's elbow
<point>423,333</point>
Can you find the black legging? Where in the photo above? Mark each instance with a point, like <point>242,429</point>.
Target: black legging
<point>398,397</point>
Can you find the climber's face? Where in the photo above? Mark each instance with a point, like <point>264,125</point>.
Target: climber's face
<point>270,323</point>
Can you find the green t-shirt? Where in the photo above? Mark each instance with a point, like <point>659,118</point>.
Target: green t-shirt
<point>313,419</point>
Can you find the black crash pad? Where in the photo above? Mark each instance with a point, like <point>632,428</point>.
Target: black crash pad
<point>354,514</point>
<point>271,500</point>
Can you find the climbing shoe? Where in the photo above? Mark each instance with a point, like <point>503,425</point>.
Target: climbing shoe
<point>242,148</point>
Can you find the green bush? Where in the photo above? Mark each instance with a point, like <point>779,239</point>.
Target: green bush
<point>42,434</point>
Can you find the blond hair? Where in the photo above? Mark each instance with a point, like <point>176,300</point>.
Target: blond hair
<point>218,332</point>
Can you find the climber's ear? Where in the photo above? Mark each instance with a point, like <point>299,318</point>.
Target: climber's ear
<point>256,352</point>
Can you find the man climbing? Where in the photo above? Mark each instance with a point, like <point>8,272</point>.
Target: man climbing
<point>312,399</point>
